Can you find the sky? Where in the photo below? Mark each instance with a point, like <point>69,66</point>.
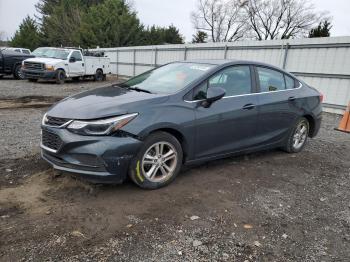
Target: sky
<point>166,12</point>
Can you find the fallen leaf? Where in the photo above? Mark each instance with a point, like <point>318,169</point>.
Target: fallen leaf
<point>77,233</point>
<point>247,226</point>
<point>194,217</point>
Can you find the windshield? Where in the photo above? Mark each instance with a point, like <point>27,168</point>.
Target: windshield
<point>169,78</point>
<point>51,52</point>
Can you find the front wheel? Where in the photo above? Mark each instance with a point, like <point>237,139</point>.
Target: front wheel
<point>60,76</point>
<point>18,72</point>
<point>158,162</point>
<point>298,136</point>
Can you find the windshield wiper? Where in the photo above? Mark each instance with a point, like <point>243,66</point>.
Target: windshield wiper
<point>139,89</point>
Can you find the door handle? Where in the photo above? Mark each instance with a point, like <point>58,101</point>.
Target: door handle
<point>291,98</point>
<point>248,106</point>
<point>82,64</point>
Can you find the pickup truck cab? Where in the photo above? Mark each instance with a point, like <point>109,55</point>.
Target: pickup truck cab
<point>11,62</point>
<point>61,63</point>
<point>20,50</point>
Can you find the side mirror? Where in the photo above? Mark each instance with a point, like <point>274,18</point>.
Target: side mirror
<point>72,60</point>
<point>213,94</point>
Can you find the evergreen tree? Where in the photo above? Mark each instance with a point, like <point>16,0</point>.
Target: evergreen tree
<point>109,24</point>
<point>200,37</point>
<point>172,35</point>
<point>322,30</point>
<point>27,36</point>
<point>61,19</point>
<point>156,35</point>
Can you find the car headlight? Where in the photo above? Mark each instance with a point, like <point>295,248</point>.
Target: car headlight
<point>100,127</point>
<point>49,68</point>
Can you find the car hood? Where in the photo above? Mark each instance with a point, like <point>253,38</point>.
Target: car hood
<point>44,60</point>
<point>104,102</point>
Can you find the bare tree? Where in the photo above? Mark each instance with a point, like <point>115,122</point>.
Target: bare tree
<point>281,19</point>
<point>223,20</point>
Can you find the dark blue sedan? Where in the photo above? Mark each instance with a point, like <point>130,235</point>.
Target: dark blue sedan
<point>181,113</point>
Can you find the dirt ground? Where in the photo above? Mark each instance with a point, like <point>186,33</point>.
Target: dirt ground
<point>267,206</point>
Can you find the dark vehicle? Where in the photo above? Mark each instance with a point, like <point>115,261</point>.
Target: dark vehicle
<point>181,113</point>
<point>11,63</point>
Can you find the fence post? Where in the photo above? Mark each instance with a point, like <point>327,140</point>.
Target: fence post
<point>185,53</point>
<point>155,57</point>
<point>225,52</point>
<point>285,56</point>
<point>117,64</point>
<point>134,63</point>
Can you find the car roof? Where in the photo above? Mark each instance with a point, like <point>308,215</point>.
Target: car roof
<point>220,62</point>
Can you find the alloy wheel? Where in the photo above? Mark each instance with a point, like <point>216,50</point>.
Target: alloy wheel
<point>300,135</point>
<point>159,162</point>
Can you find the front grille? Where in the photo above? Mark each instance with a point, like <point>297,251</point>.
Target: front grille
<point>55,121</point>
<point>51,140</point>
<point>33,65</point>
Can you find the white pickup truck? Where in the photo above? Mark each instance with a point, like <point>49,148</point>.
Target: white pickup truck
<point>60,63</point>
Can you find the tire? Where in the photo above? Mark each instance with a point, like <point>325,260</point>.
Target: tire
<point>99,75</point>
<point>297,138</point>
<point>60,77</point>
<point>32,80</point>
<point>138,169</point>
<point>17,73</point>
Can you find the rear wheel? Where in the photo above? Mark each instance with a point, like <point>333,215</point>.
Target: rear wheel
<point>18,72</point>
<point>298,136</point>
<point>60,76</point>
<point>158,162</point>
<point>99,75</point>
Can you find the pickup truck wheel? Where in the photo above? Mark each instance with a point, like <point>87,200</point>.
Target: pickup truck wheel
<point>18,73</point>
<point>60,76</point>
<point>98,75</point>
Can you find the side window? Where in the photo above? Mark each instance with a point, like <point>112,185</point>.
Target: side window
<point>290,83</point>
<point>25,51</point>
<point>270,80</point>
<point>77,56</point>
<point>200,92</point>
<point>234,79</point>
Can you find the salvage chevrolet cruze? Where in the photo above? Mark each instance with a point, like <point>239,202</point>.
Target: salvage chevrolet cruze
<point>181,113</point>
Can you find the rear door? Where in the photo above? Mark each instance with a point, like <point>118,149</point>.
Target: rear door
<point>278,104</point>
<point>229,124</point>
<point>76,68</point>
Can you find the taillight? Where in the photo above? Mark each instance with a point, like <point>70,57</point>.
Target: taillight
<point>321,97</point>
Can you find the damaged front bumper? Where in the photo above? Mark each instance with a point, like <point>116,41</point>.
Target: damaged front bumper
<point>103,159</point>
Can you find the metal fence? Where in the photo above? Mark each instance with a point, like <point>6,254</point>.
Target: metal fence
<point>321,62</point>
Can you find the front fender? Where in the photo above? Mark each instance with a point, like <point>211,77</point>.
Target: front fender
<point>177,119</point>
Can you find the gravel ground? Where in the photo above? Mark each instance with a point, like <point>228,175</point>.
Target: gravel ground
<point>11,88</point>
<point>267,206</point>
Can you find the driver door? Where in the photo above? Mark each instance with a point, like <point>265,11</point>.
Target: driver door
<point>76,67</point>
<point>229,124</point>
